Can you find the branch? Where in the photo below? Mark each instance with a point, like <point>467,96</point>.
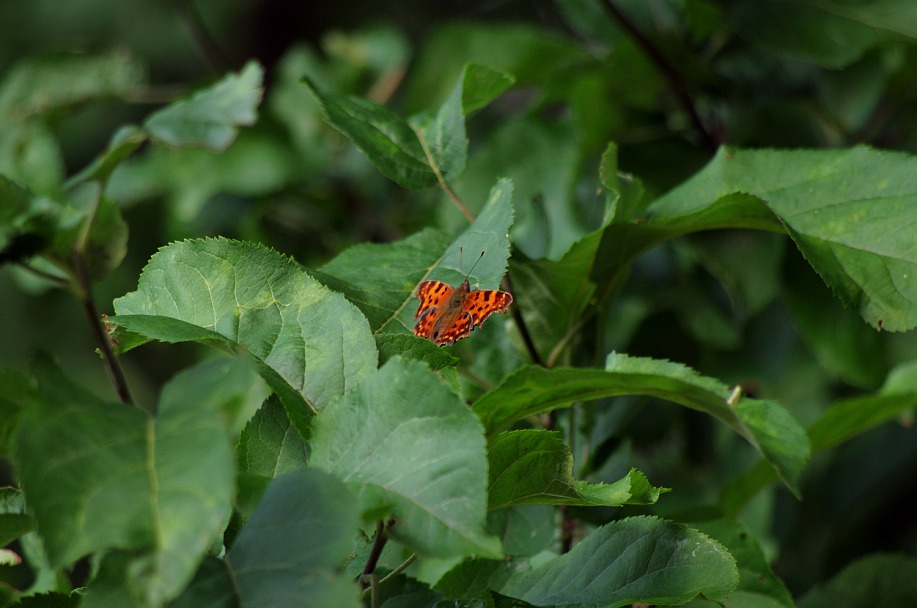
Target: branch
<point>83,289</point>
<point>84,295</point>
<point>213,56</point>
<point>368,576</point>
<point>676,84</point>
<point>520,324</point>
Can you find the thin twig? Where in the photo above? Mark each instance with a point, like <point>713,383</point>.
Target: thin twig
<point>84,295</point>
<point>213,56</point>
<point>386,85</point>
<point>83,289</point>
<point>401,568</point>
<point>374,554</point>
<point>676,84</point>
<point>520,324</point>
<point>53,278</point>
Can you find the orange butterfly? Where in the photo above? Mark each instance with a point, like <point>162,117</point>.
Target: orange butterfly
<point>450,313</point>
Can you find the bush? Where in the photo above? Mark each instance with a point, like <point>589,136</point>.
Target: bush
<point>700,393</point>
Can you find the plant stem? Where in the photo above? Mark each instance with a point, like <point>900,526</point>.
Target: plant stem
<point>83,291</point>
<point>374,554</point>
<point>84,295</point>
<point>401,568</point>
<point>520,323</point>
<point>213,56</point>
<point>676,84</point>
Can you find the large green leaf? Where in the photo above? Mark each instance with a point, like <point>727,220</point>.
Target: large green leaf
<point>381,279</point>
<point>764,424</point>
<point>386,139</point>
<point>641,559</point>
<point>211,117</point>
<point>849,211</point>
<point>155,492</point>
<point>414,451</point>
<point>288,553</point>
<point>536,467</point>
<point>310,343</point>
<point>431,146</point>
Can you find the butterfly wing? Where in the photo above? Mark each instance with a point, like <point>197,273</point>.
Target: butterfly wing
<point>482,303</point>
<point>433,296</point>
<point>460,327</point>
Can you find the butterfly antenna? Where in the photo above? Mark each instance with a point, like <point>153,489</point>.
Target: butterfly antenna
<point>473,265</point>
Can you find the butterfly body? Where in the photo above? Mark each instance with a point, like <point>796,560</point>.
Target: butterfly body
<point>447,313</point>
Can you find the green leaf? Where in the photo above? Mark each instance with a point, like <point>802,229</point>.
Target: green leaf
<point>384,137</point>
<point>764,424</point>
<point>410,347</point>
<point>436,489</point>
<point>37,85</point>
<point>625,193</point>
<point>847,210</point>
<point>30,155</point>
<point>269,445</point>
<point>210,118</point>
<point>481,85</point>
<point>443,133</point>
<point>641,559</point>
<point>311,345</point>
<point>211,588</point>
<point>155,492</point>
<point>17,391</point>
<point>757,582</point>
<point>874,580</point>
<point>287,553</point>
<point>524,530</point>
<point>536,467</point>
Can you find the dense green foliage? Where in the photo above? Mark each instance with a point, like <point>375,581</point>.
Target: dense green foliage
<point>703,394</point>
